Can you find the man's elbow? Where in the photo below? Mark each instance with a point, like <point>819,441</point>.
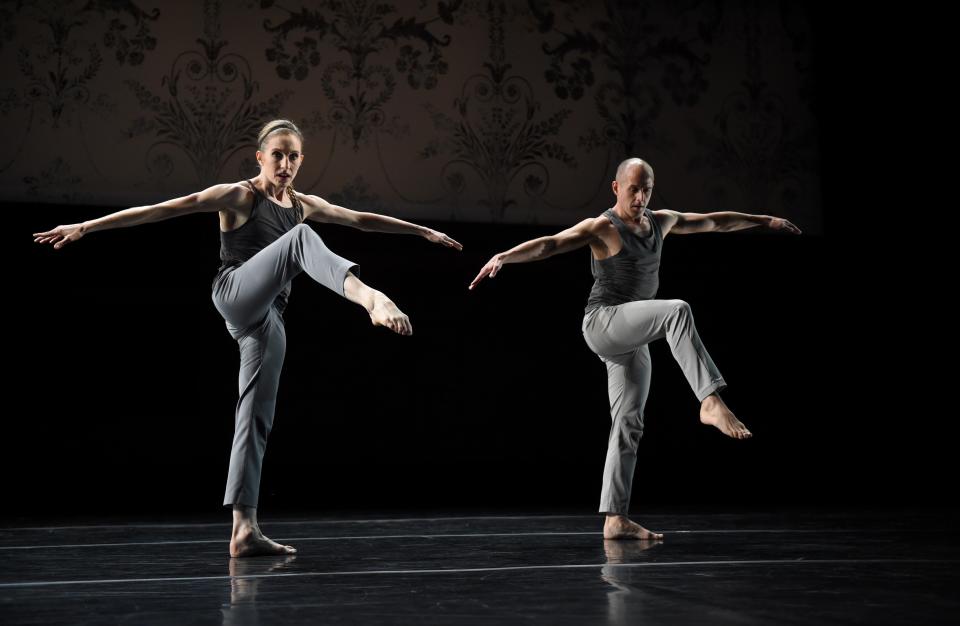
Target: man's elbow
<point>705,224</point>
<point>548,247</point>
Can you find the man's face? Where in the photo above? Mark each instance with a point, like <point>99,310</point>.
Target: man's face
<point>634,191</point>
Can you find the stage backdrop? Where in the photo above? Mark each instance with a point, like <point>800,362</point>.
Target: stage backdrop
<point>456,110</point>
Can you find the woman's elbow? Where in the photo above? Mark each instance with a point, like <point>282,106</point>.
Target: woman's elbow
<point>360,221</point>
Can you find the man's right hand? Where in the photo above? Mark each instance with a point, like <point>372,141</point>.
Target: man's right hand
<point>490,269</point>
<point>61,235</point>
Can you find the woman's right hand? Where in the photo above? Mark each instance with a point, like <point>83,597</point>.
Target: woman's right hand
<point>61,235</point>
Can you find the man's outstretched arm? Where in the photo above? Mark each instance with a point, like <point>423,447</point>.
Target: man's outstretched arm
<point>540,248</point>
<point>719,222</point>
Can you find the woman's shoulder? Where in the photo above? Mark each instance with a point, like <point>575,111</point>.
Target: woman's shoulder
<point>238,198</point>
<point>242,193</point>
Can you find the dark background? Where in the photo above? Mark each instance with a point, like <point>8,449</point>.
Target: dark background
<point>123,379</point>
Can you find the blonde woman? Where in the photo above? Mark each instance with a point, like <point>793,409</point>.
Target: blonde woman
<point>264,244</point>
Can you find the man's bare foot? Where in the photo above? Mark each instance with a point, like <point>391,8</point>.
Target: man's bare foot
<point>714,411</point>
<point>249,541</point>
<point>386,313</point>
<point>619,527</point>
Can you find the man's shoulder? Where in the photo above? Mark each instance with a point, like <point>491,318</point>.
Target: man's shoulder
<point>598,223</point>
<point>663,215</point>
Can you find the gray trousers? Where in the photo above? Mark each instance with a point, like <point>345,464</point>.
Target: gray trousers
<point>244,296</point>
<point>619,336</point>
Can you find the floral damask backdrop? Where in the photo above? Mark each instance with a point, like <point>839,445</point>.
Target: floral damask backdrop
<point>465,110</point>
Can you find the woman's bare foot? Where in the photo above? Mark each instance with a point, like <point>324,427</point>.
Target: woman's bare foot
<point>714,411</point>
<point>619,527</point>
<point>251,542</point>
<point>382,310</point>
<point>248,540</point>
<point>386,313</point>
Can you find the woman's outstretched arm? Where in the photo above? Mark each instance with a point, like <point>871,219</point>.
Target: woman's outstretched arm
<point>319,210</point>
<point>226,196</point>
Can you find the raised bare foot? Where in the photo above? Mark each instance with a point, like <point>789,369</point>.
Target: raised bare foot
<point>386,313</point>
<point>714,411</point>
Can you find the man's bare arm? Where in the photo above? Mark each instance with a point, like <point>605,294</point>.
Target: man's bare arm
<point>718,222</point>
<point>575,237</point>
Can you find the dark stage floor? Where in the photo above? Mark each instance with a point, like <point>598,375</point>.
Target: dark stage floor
<point>812,567</point>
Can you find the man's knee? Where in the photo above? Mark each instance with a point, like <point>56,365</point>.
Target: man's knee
<point>681,307</point>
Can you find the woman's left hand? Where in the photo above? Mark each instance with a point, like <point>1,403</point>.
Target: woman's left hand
<point>437,237</point>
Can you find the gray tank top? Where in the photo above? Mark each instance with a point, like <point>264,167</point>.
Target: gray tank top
<point>631,274</point>
<point>268,221</point>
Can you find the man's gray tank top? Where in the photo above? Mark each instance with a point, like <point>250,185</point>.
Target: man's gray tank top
<point>268,220</point>
<point>631,274</point>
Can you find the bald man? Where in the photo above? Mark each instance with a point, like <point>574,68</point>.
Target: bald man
<point>623,316</point>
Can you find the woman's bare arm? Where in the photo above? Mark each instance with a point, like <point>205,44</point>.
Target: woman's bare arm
<point>216,198</point>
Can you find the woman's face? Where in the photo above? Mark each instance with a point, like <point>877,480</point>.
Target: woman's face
<point>280,158</point>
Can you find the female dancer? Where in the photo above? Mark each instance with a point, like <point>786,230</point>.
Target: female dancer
<point>264,243</point>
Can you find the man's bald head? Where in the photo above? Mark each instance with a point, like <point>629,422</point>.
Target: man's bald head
<point>628,164</point>
<point>633,189</point>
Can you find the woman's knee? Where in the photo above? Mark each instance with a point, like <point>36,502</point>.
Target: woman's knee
<point>303,232</point>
